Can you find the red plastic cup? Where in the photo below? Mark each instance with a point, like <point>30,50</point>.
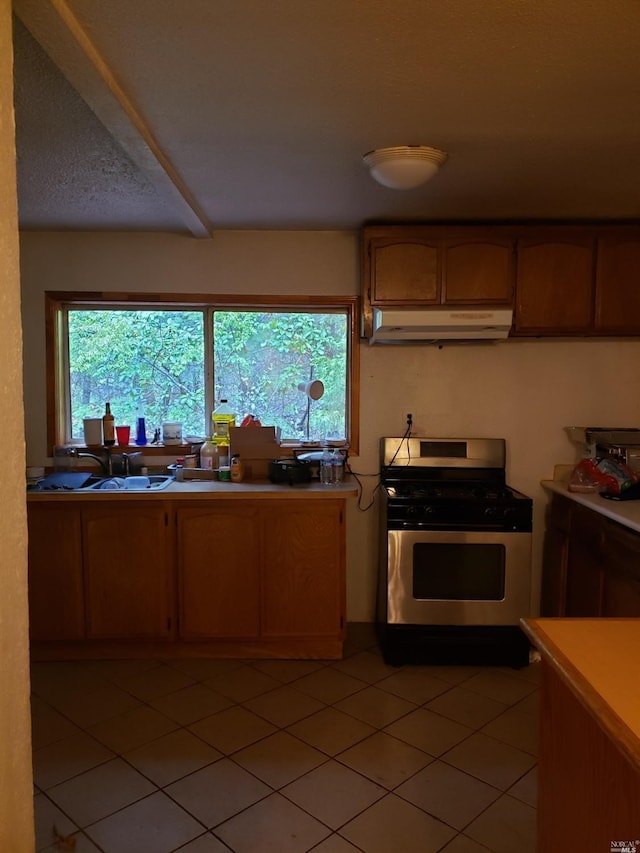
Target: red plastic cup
<point>123,433</point>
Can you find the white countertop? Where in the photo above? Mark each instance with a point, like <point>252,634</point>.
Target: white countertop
<point>211,489</point>
<point>624,512</point>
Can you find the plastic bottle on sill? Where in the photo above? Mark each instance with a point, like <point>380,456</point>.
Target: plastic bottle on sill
<point>326,466</point>
<point>338,467</point>
<point>209,455</point>
<point>223,419</point>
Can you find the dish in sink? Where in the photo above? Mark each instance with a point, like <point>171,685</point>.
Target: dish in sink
<point>134,483</point>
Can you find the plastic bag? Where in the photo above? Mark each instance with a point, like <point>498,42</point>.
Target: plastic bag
<point>250,420</point>
<point>601,475</point>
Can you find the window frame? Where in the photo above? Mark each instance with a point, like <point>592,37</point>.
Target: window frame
<point>56,349</point>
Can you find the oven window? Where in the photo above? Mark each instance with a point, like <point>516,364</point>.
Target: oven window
<point>445,571</point>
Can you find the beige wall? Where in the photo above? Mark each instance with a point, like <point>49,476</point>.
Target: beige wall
<point>16,786</point>
<point>522,391</point>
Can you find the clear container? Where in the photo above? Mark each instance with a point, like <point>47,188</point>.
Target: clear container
<point>338,467</point>
<point>223,419</point>
<point>326,467</point>
<point>208,455</point>
<point>178,471</point>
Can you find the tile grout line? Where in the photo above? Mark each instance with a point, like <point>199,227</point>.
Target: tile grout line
<point>279,728</point>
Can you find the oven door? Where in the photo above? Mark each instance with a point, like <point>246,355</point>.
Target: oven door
<point>438,577</point>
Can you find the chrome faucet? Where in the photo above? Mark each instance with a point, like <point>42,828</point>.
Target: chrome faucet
<point>104,461</point>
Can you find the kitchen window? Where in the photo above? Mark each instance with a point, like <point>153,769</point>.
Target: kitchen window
<point>152,356</point>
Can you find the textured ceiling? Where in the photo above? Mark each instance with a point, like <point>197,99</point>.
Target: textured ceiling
<point>256,114</point>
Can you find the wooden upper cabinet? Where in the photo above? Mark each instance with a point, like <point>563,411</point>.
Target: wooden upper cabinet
<point>555,284</point>
<point>618,285</point>
<point>404,270</point>
<point>568,280</point>
<point>438,266</point>
<point>478,271</point>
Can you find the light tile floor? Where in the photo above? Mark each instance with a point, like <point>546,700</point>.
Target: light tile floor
<point>205,756</point>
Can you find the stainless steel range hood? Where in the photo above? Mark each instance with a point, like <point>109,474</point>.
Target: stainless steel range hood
<point>396,325</point>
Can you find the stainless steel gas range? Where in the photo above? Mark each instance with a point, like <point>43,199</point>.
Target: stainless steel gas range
<point>455,553</point>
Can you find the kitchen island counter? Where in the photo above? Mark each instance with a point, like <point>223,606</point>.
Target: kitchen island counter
<point>589,769</point>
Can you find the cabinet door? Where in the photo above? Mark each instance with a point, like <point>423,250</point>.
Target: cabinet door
<point>56,591</point>
<point>584,565</point>
<point>404,270</point>
<point>218,570</point>
<point>478,272</point>
<point>555,285</point>
<point>555,557</point>
<point>303,569</point>
<point>618,286</point>
<point>621,575</point>
<point>128,570</point>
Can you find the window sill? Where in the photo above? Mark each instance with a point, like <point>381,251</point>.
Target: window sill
<point>146,449</point>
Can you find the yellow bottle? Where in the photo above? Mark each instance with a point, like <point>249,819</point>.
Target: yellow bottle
<point>223,419</point>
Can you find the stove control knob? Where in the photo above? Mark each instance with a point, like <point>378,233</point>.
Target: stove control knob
<point>414,511</point>
<point>491,512</point>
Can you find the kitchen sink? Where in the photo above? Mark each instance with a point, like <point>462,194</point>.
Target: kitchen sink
<point>133,483</point>
<point>87,484</point>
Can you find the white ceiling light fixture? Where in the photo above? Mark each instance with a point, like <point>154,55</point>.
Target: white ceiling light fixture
<point>404,167</point>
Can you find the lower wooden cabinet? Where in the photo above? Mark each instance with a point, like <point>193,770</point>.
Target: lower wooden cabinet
<point>128,571</point>
<point>236,577</point>
<point>260,570</point>
<point>585,564</point>
<point>621,578</point>
<point>591,564</point>
<point>555,558</point>
<point>218,570</point>
<point>302,569</point>
<point>56,583</point>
